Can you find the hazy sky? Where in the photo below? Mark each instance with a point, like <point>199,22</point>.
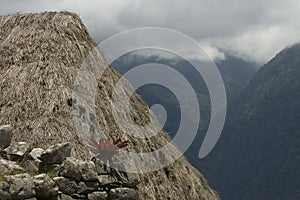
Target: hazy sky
<point>257,29</point>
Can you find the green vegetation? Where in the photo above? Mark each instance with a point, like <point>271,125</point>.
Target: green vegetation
<point>258,154</point>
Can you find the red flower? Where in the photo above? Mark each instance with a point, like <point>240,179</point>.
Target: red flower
<point>104,149</point>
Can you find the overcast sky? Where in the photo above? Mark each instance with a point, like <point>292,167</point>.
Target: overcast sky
<point>257,29</point>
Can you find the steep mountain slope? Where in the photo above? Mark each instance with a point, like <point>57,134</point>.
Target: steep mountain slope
<point>156,94</point>
<point>235,71</point>
<point>257,156</point>
<point>39,60</point>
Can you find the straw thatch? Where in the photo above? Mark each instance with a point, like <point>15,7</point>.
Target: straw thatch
<point>40,55</point>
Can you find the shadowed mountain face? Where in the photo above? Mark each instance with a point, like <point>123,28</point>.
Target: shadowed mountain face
<point>39,60</point>
<point>257,156</point>
<point>235,71</point>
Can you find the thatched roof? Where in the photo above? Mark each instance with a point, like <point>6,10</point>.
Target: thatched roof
<point>40,55</point>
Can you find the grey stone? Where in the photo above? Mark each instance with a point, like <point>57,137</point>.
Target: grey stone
<point>65,185</point>
<point>65,197</point>
<point>30,164</point>
<point>100,168</point>
<point>4,191</point>
<point>79,196</point>
<point>3,154</point>
<point>120,176</point>
<point>131,183</point>
<point>56,154</point>
<point>52,170</point>
<point>21,186</point>
<point>45,187</point>
<point>98,196</point>
<point>123,194</point>
<point>5,136</point>
<point>31,199</point>
<point>30,161</point>
<point>71,169</point>
<point>87,187</point>
<point>17,150</point>
<point>88,169</point>
<point>106,180</point>
<point>36,153</point>
<point>9,167</point>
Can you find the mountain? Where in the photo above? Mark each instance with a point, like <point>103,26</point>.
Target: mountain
<point>156,94</point>
<point>257,156</point>
<point>236,73</point>
<point>40,61</point>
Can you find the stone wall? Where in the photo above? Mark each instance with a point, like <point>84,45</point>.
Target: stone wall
<point>34,173</point>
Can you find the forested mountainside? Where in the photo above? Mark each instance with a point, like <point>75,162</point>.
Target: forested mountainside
<point>257,156</point>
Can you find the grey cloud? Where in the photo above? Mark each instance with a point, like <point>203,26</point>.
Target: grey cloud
<point>257,29</point>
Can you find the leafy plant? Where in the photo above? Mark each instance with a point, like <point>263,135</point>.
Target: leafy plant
<point>105,149</point>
